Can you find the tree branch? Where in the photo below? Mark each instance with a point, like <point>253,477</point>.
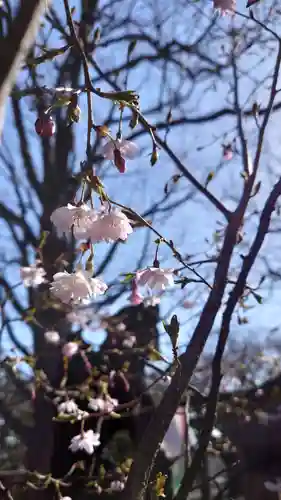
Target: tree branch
<point>15,46</point>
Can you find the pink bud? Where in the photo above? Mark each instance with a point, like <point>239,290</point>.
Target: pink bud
<point>45,126</point>
<point>119,161</point>
<point>70,349</point>
<point>227,152</point>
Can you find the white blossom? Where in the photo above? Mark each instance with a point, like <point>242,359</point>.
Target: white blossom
<point>87,441</point>
<point>129,341</point>
<point>216,433</point>
<point>117,485</point>
<point>155,278</point>
<point>76,287</point>
<point>33,275</point>
<point>83,317</point>
<point>103,405</point>
<point>110,225</point>
<point>120,327</point>
<point>128,149</point>
<point>68,407</point>
<point>70,349</point>
<point>79,219</point>
<point>52,337</point>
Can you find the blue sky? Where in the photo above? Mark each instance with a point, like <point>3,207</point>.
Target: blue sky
<point>198,146</point>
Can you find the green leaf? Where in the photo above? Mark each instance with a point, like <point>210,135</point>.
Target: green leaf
<point>128,278</point>
<point>209,178</point>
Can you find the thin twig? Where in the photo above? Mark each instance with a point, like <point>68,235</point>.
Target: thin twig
<point>170,244</point>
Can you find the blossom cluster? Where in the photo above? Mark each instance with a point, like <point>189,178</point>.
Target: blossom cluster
<point>108,224</point>
<point>75,290</point>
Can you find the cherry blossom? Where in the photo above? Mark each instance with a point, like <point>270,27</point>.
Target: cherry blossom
<point>155,278</point>
<point>70,349</point>
<point>129,342</point>
<point>76,287</point>
<point>103,405</point>
<point>52,337</point>
<point>33,275</point>
<point>83,317</point>
<point>225,6</point>
<point>127,149</point>
<point>216,433</point>
<point>120,327</point>
<point>110,225</point>
<point>71,217</point>
<point>87,441</point>
<point>117,485</point>
<point>68,407</point>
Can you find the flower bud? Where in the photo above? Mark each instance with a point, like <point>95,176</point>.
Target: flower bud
<point>102,130</point>
<point>45,126</point>
<point>73,113</point>
<point>134,120</point>
<point>70,349</point>
<point>154,157</point>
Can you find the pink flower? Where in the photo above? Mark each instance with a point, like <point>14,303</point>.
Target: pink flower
<point>129,342</point>
<point>83,317</point>
<point>127,149</point>
<point>117,485</point>
<point>135,298</point>
<point>68,407</point>
<point>103,405</point>
<point>52,337</point>
<point>155,278</point>
<point>78,218</point>
<point>87,441</point>
<point>33,276</point>
<point>70,349</point>
<point>111,225</point>
<point>76,287</point>
<point>225,6</point>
